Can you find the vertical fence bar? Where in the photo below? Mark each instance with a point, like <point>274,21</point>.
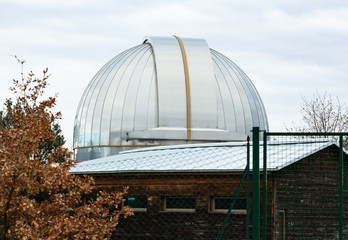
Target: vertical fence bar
<point>341,188</point>
<point>245,173</point>
<point>256,183</point>
<point>248,191</point>
<point>264,188</point>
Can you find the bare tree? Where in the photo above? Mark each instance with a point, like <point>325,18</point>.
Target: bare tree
<point>322,113</point>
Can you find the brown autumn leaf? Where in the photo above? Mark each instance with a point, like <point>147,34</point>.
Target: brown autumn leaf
<point>44,201</point>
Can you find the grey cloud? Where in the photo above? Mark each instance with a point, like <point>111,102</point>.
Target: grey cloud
<point>288,48</point>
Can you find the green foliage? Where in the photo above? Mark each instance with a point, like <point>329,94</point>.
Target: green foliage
<point>50,145</point>
<point>7,120</point>
<point>6,116</point>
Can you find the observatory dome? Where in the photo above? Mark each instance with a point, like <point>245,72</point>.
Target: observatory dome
<point>165,91</point>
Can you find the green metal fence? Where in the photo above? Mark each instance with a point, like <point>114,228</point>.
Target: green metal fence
<point>198,191</point>
<point>246,175</point>
<point>290,186</point>
<point>303,190</point>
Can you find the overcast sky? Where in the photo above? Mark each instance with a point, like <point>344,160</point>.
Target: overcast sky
<point>289,49</point>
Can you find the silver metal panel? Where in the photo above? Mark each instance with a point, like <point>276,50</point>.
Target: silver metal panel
<point>152,108</point>
<point>202,84</point>
<point>118,92</point>
<point>111,87</point>
<point>100,92</point>
<point>102,113</point>
<point>243,97</point>
<point>143,96</point>
<point>207,158</point>
<point>217,135</point>
<point>159,133</point>
<point>170,81</point>
<point>83,108</point>
<point>234,107</point>
<point>142,93</point>
<point>228,106</point>
<point>199,134</point>
<point>259,113</point>
<point>132,92</point>
<point>87,107</point>
<point>251,95</point>
<point>221,124</point>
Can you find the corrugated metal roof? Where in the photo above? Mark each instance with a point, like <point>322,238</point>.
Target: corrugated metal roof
<point>214,157</point>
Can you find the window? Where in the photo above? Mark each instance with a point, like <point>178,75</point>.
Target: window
<point>222,204</point>
<point>179,204</point>
<point>138,204</point>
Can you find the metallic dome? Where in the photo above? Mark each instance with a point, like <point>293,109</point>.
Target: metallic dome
<point>165,91</point>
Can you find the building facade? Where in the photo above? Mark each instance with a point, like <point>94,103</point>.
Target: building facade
<point>184,192</point>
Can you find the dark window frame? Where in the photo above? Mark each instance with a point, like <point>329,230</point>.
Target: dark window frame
<point>136,209</point>
<point>225,210</point>
<point>187,210</point>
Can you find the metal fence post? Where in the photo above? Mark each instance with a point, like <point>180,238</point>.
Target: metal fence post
<point>264,188</point>
<point>341,188</point>
<point>248,191</point>
<point>256,183</point>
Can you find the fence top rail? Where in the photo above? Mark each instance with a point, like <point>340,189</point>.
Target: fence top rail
<point>306,133</point>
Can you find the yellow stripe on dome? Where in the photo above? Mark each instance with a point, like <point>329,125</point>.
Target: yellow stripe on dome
<point>187,83</point>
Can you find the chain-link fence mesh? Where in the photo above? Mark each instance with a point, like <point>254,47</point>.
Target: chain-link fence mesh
<point>182,193</point>
<point>187,192</point>
<point>303,187</point>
